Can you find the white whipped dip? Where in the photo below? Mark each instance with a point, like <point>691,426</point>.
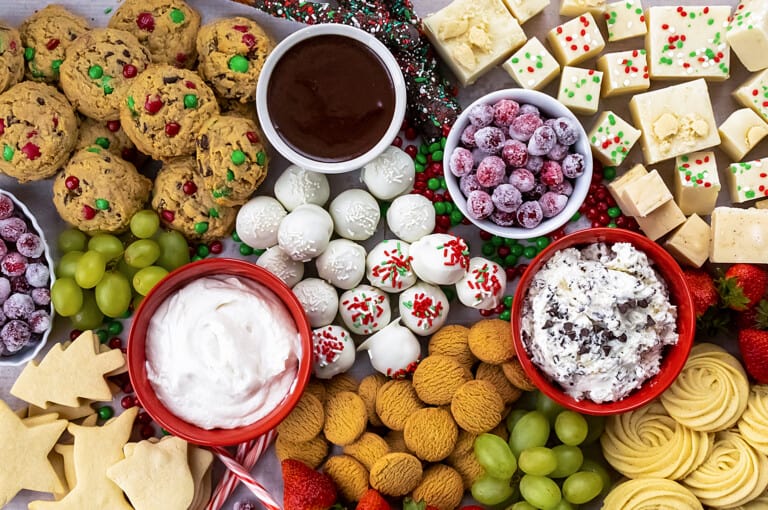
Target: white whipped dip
<point>596,321</point>
<point>222,352</point>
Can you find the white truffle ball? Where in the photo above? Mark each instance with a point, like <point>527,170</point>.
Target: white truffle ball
<point>334,351</point>
<point>388,266</point>
<point>364,309</point>
<point>411,217</point>
<point>342,264</point>
<point>297,186</point>
<point>483,286</point>
<point>355,214</point>
<point>389,175</point>
<point>277,262</point>
<point>394,350</point>
<point>305,232</point>
<point>319,300</point>
<point>440,259</point>
<point>423,308</point>
<point>258,220</point>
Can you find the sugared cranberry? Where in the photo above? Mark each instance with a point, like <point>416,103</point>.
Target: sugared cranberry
<point>480,115</point>
<point>566,131</point>
<point>522,179</point>
<point>506,197</point>
<point>542,141</point>
<point>15,335</point>
<point>19,284</point>
<point>71,183</point>
<point>39,321</point>
<point>514,153</point>
<point>41,296</point>
<point>529,214</point>
<point>6,206</point>
<point>479,205</point>
<point>468,136</point>
<point>503,219</point>
<point>18,306</point>
<point>551,173</point>
<point>491,171</point>
<point>468,184</point>
<point>30,245</point>
<point>13,264</point>
<point>573,165</point>
<point>523,126</point>
<point>489,139</point>
<point>504,112</point>
<point>461,162</point>
<point>552,203</point>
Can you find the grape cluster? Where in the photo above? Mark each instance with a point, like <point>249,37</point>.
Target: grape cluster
<point>543,466</point>
<point>106,275</point>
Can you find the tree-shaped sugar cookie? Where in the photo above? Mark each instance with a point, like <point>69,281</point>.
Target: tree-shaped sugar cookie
<point>155,475</point>
<point>24,453</point>
<point>66,375</point>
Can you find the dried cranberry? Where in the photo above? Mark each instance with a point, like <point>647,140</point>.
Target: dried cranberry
<point>252,137</point>
<point>167,216</point>
<point>89,212</point>
<point>189,188</point>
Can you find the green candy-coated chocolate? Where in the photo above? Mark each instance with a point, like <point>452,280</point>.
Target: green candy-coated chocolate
<point>609,173</point>
<point>203,250</point>
<point>235,237</point>
<point>8,152</point>
<point>437,156</point>
<point>439,208</point>
<point>237,157</point>
<point>497,241</point>
<point>29,54</point>
<point>201,227</point>
<point>245,250</point>
<point>114,328</point>
<point>529,252</point>
<point>55,65</point>
<point>506,315</point>
<point>456,217</point>
<point>542,242</point>
<point>261,158</point>
<point>238,64</point>
<point>102,204</point>
<point>102,335</point>
<point>190,101</point>
<point>433,184</point>
<point>95,72</point>
<point>488,249</point>
<point>230,175</point>
<point>177,16</point>
<point>105,413</point>
<point>614,212</point>
<point>508,300</point>
<point>510,260</point>
<point>516,249</point>
<point>102,142</point>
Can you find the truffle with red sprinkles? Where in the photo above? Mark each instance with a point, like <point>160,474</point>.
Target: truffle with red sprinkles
<point>333,351</point>
<point>423,308</point>
<point>364,309</point>
<point>483,286</point>
<point>388,266</point>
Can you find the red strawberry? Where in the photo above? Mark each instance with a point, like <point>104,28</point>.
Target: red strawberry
<point>372,500</point>
<point>755,317</point>
<point>753,344</point>
<point>306,489</point>
<point>742,286</point>
<point>702,289</point>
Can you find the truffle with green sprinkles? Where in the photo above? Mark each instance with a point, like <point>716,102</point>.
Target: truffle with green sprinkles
<point>168,28</point>
<point>231,158</point>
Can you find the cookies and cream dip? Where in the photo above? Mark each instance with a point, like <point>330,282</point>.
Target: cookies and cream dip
<point>596,321</point>
<point>222,352</point>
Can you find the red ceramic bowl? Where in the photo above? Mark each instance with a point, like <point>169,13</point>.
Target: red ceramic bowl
<point>137,355</point>
<point>675,356</point>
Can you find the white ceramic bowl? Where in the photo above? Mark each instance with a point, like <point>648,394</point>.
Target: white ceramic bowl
<point>549,107</point>
<point>369,41</point>
<point>30,351</point>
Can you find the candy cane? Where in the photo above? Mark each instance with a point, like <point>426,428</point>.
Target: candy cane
<point>227,484</point>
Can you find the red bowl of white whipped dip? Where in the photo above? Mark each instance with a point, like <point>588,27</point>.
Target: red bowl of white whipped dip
<point>219,352</point>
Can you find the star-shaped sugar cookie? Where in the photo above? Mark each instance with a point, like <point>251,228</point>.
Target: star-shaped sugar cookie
<point>24,453</point>
<point>155,476</point>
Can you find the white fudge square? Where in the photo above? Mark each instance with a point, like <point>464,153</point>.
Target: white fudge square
<point>625,20</point>
<point>624,72</point>
<point>696,183</point>
<point>754,94</point>
<point>747,180</point>
<point>612,138</point>
<point>576,40</point>
<point>747,33</point>
<point>532,66</point>
<point>580,89</point>
<point>741,132</point>
<point>524,10</point>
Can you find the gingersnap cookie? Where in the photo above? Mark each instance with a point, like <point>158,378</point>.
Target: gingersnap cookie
<point>515,374</point>
<point>339,383</point>
<point>350,477</point>
<point>38,130</point>
<point>396,441</point>
<point>477,407</point>
<point>753,424</point>
<point>367,390</point>
<point>305,420</point>
<point>368,448</point>
<point>11,57</point>
<point>431,434</point>
<point>46,35</point>
<point>465,444</point>
<point>494,374</point>
<point>231,158</point>
<point>437,378</point>
<point>345,418</point>
<point>317,389</point>
<point>98,69</point>
<point>441,487</point>
<point>468,468</point>
<point>168,28</point>
<point>312,452</point>
<point>108,135</point>
<point>396,474</point>
<point>232,52</point>
<point>182,203</point>
<point>453,340</point>
<point>490,340</point>
<point>164,109</point>
<point>396,400</point>
<point>650,493</point>
<point>99,192</point>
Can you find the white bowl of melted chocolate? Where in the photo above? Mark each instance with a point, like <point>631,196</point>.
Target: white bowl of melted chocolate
<point>331,98</point>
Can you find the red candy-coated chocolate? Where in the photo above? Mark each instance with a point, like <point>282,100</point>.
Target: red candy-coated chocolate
<point>181,58</point>
<point>153,104</point>
<point>252,137</point>
<point>113,125</point>
<point>72,183</point>
<point>190,85</point>
<point>412,151</point>
<point>147,431</point>
<point>143,418</point>
<point>216,247</point>
<point>168,216</point>
<point>74,334</point>
<point>145,21</point>
<point>31,151</point>
<point>115,342</point>
<point>172,129</point>
<point>2,126</point>
<point>52,44</point>
<point>189,187</point>
<point>127,402</point>
<point>130,71</point>
<point>397,142</point>
<point>89,212</point>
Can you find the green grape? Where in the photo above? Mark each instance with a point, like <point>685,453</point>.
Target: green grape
<point>137,299</point>
<point>596,426</point>
<point>90,269</point>
<point>144,280</point>
<point>142,253</point>
<point>538,460</point>
<point>89,316</point>
<point>540,491</point>
<point>128,271</point>
<point>521,505</point>
<point>113,294</point>
<point>67,296</point>
<point>549,407</point>
<point>68,264</point>
<point>565,505</point>
<point>571,428</point>
<point>513,417</point>
<point>582,486</point>
<point>594,466</point>
<point>531,430</point>
<point>72,240</point>
<point>527,401</point>
<point>494,455</point>
<point>488,490</point>
<point>569,459</point>
<point>144,224</point>
<point>106,244</point>
<point>174,250</point>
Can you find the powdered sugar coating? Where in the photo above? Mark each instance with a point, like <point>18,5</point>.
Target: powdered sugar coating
<point>504,219</point>
<point>529,214</point>
<point>558,152</point>
<point>18,306</point>
<point>566,131</point>
<point>39,321</point>
<point>564,188</point>
<point>573,165</point>
<point>469,183</point>
<point>30,245</point>
<point>514,153</point>
<point>551,173</point>
<point>15,335</point>
<point>37,274</point>
<point>12,228</point>
<point>542,141</point>
<point>468,136</point>
<point>524,125</point>
<point>534,163</point>
<point>481,115</point>
<point>6,206</point>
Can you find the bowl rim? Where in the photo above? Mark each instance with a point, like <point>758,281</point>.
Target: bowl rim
<point>549,106</point>
<point>137,354</point>
<point>670,366</point>
<point>27,354</point>
<point>386,57</point>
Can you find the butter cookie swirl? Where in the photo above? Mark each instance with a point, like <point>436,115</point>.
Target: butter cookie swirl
<point>650,494</point>
<point>711,392</point>
<point>753,424</point>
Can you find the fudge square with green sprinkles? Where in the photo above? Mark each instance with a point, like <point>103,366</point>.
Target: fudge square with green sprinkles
<point>754,94</point>
<point>748,180</point>
<point>532,66</point>
<point>612,138</point>
<point>696,183</point>
<point>625,20</point>
<point>624,72</point>
<point>747,33</point>
<point>688,42</point>
<point>580,89</point>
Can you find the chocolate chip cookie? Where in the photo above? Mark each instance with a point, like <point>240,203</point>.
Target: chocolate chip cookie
<point>11,57</point>
<point>46,35</point>
<point>108,135</point>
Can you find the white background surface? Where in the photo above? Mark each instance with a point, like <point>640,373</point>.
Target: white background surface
<point>38,195</point>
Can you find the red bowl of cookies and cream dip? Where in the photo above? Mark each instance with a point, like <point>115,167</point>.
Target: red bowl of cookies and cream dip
<point>219,352</point>
<point>330,98</point>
